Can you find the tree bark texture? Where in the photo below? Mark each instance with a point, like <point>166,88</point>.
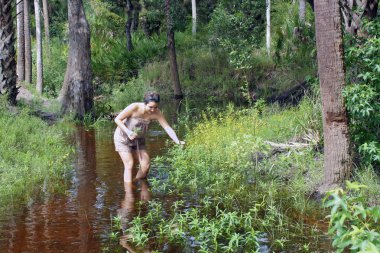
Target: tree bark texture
<point>354,10</point>
<point>302,11</point>
<point>128,25</point>
<point>337,163</point>
<point>28,43</point>
<point>20,42</point>
<point>77,91</point>
<point>39,64</point>
<point>172,52</point>
<point>46,21</point>
<point>8,75</point>
<point>194,15</point>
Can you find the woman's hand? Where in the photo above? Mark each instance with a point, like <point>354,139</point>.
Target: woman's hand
<point>181,143</point>
<point>132,135</point>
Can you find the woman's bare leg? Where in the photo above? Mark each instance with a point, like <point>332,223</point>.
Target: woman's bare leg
<point>144,164</point>
<point>127,159</point>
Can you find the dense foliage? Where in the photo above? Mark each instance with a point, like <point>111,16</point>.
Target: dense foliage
<point>354,225</point>
<point>363,93</point>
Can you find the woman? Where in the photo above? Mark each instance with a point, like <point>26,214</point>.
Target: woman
<point>130,134</point>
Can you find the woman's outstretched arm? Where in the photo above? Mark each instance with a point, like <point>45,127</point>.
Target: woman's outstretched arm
<point>161,119</point>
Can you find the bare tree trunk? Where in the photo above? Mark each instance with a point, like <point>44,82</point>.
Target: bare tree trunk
<point>194,15</point>
<point>136,16</point>
<point>268,38</point>
<point>128,25</point>
<point>39,81</point>
<point>302,11</point>
<point>8,76</point>
<point>337,164</point>
<point>77,91</point>
<point>28,43</point>
<point>20,42</point>
<point>46,21</point>
<point>172,52</point>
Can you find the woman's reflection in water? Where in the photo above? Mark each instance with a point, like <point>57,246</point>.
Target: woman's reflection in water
<point>126,213</point>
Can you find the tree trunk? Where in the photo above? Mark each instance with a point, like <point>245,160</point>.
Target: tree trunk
<point>128,25</point>
<point>39,81</point>
<point>268,39</point>
<point>302,11</point>
<point>172,53</point>
<point>20,42</point>
<point>8,76</point>
<point>77,92</point>
<point>194,15</point>
<point>46,21</point>
<point>28,43</point>
<point>337,164</point>
<point>136,16</point>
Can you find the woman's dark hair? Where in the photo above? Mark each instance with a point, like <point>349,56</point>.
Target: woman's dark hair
<point>151,97</point>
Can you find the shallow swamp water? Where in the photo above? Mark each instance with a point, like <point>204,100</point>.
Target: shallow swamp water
<point>81,219</point>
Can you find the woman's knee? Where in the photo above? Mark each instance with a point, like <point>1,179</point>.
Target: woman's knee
<point>145,163</point>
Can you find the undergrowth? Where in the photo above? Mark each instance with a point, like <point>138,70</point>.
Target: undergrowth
<point>30,162</point>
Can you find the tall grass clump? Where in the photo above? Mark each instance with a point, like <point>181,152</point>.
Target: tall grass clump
<point>227,166</point>
<point>33,157</point>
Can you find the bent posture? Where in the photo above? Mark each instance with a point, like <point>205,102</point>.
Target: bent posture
<point>129,137</point>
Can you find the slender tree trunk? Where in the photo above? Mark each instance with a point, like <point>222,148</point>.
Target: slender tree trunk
<point>268,39</point>
<point>302,11</point>
<point>77,91</point>
<point>8,75</point>
<point>194,15</point>
<point>46,21</point>
<point>39,81</point>
<point>20,42</point>
<point>128,25</point>
<point>136,16</point>
<point>337,164</point>
<point>172,53</point>
<point>28,43</point>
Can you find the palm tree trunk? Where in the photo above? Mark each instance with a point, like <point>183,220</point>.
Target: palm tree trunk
<point>28,43</point>
<point>46,21</point>
<point>337,163</point>
<point>20,42</point>
<point>77,90</point>
<point>39,81</point>
<point>8,76</point>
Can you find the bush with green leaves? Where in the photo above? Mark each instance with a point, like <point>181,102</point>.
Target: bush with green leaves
<point>363,93</point>
<point>354,225</point>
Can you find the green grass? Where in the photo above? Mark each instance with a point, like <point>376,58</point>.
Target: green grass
<point>33,156</point>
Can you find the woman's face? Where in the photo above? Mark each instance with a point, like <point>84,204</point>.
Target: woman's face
<point>151,107</point>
